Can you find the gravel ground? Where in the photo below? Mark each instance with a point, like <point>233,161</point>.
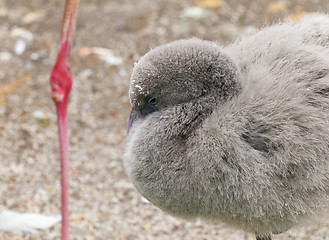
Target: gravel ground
<point>110,37</point>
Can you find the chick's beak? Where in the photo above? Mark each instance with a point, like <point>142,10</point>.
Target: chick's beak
<point>133,116</point>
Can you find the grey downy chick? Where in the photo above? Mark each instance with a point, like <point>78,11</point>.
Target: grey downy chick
<point>237,134</point>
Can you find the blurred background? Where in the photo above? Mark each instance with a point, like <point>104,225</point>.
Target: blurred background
<point>110,37</point>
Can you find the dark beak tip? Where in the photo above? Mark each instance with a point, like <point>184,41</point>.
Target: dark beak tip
<point>131,120</point>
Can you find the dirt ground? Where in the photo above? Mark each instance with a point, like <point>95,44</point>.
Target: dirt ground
<point>104,204</point>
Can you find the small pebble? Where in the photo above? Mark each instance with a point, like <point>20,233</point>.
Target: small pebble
<point>20,47</point>
<point>22,33</point>
<point>111,59</point>
<point>5,56</point>
<point>194,12</point>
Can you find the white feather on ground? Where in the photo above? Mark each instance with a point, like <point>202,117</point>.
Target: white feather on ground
<point>15,222</point>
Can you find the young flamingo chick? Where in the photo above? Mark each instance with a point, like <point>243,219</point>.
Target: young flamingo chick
<point>236,134</point>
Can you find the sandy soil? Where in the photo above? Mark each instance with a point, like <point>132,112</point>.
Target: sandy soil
<point>104,204</point>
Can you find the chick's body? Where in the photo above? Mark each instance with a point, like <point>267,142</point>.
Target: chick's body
<point>238,134</point>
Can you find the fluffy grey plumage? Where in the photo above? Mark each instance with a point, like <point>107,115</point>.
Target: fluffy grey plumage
<point>237,134</point>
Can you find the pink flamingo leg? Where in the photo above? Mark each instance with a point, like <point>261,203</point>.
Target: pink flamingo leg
<point>61,84</point>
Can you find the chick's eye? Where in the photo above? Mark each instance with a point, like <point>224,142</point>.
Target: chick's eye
<point>153,101</point>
